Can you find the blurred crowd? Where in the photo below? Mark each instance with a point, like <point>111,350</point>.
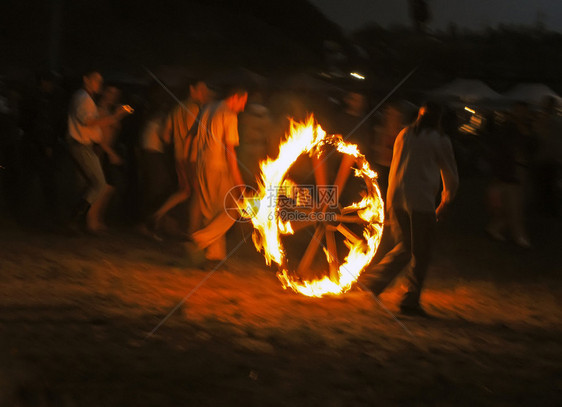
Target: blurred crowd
<point>148,160</point>
<point>525,157</point>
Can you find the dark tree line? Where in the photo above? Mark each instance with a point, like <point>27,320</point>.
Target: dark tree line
<point>127,34</point>
<point>501,56</point>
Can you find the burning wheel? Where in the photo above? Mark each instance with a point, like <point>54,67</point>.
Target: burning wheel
<point>283,208</point>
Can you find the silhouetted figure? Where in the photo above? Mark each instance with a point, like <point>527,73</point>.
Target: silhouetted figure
<point>548,158</point>
<point>112,160</point>
<point>156,169</point>
<point>347,122</point>
<point>42,120</point>
<point>383,143</point>
<point>84,130</point>
<point>422,158</point>
<point>512,147</point>
<point>180,129</point>
<point>10,137</point>
<point>255,126</point>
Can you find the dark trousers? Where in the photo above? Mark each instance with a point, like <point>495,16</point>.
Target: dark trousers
<point>413,234</point>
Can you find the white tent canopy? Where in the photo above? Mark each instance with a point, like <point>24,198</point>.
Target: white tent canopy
<point>533,93</point>
<point>466,90</point>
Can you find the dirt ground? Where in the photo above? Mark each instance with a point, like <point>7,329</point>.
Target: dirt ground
<point>76,315</point>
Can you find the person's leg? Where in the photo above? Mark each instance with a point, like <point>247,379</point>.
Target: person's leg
<point>174,200</point>
<point>383,273</point>
<point>423,226</point>
<point>516,215</point>
<point>115,179</point>
<point>195,217</point>
<point>155,181</point>
<point>387,242</point>
<point>97,190</point>
<point>90,167</point>
<point>215,195</point>
<point>212,237</point>
<point>96,214</point>
<point>497,203</point>
<point>177,197</point>
<point>216,251</point>
<point>548,196</point>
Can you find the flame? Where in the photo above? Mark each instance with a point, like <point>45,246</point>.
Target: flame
<point>310,139</point>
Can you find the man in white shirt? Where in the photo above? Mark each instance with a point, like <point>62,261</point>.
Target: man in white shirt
<point>84,129</point>
<point>422,158</point>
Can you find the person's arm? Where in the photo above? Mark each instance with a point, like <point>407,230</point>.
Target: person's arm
<point>449,175</point>
<point>93,121</point>
<point>232,161</point>
<point>167,131</point>
<point>231,140</point>
<point>114,158</point>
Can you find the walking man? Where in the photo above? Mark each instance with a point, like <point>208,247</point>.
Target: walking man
<point>217,171</point>
<point>422,157</point>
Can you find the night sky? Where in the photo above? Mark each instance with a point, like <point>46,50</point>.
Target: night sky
<point>473,14</point>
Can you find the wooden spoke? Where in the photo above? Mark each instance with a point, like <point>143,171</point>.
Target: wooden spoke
<point>344,230</point>
<point>310,250</point>
<point>333,251</point>
<point>320,170</point>
<point>343,172</point>
<point>349,219</point>
<point>354,219</point>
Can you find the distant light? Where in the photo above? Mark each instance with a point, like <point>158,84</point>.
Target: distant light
<point>356,75</point>
<point>468,109</point>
